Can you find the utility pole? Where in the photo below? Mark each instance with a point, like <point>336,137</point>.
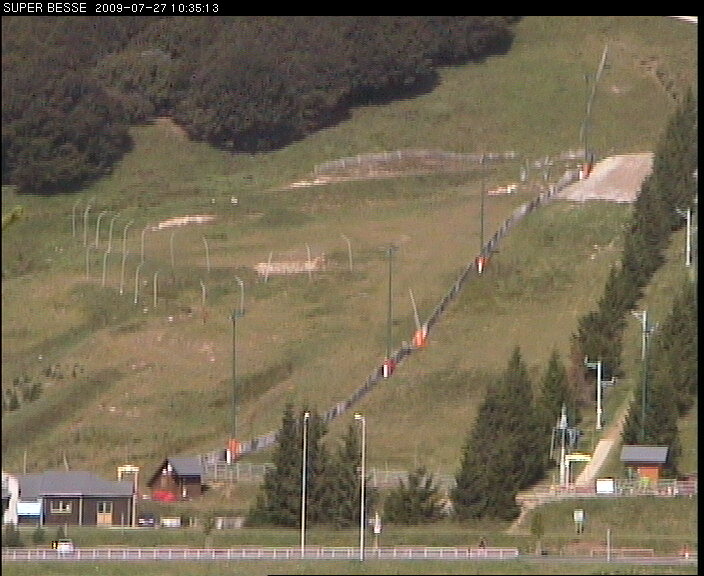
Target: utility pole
<point>596,365</point>
<point>645,333</point>
<point>562,427</point>
<point>390,252</point>
<point>481,207</point>
<point>590,100</point>
<point>687,215</point>
<point>236,314</point>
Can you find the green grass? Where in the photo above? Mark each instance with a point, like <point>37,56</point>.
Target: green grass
<point>158,382</point>
<point>664,525</point>
<point>263,568</point>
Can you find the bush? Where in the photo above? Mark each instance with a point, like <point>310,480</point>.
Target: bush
<point>12,537</point>
<point>38,536</point>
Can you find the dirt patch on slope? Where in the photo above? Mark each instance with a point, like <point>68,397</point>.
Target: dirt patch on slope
<point>616,179</point>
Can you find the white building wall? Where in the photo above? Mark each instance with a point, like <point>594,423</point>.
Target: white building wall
<point>12,486</point>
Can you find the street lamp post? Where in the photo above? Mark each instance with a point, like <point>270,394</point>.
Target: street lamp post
<point>687,215</point>
<point>241,285</point>
<point>112,224</point>
<point>349,249</point>
<point>171,251</point>
<point>596,365</point>
<point>481,208</point>
<point>85,224</point>
<point>362,482</point>
<point>304,482</point>
<point>105,263</point>
<point>136,282</point>
<point>390,251</point>
<point>645,332</point>
<point>235,315</point>
<point>73,217</point>
<point>97,227</point>
<point>124,255</point>
<point>88,262</point>
<point>207,253</point>
<point>144,231</point>
<point>156,276</point>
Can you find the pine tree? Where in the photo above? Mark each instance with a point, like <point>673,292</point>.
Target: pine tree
<point>660,424</point>
<point>415,501</point>
<point>279,501</point>
<point>340,491</point>
<point>520,424</point>
<point>503,452</point>
<point>555,391</point>
<point>674,351</point>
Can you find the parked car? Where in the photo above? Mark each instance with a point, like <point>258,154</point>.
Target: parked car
<point>148,520</point>
<point>63,546</point>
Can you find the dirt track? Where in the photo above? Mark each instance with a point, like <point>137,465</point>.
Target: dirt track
<point>616,179</point>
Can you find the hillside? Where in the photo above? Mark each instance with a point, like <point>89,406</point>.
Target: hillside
<point>134,383</point>
<point>71,86</point>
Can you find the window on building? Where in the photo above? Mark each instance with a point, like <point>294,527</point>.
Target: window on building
<point>60,507</point>
<point>104,507</point>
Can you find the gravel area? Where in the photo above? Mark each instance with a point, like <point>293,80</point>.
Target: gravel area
<point>616,179</point>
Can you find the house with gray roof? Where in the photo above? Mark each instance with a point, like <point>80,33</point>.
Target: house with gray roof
<point>178,478</point>
<point>646,461</point>
<point>75,498</point>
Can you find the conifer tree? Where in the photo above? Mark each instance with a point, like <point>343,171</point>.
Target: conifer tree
<point>674,351</point>
<point>555,391</point>
<point>340,489</point>
<point>521,425</point>
<point>279,502</point>
<point>414,501</point>
<point>669,382</point>
<point>504,451</point>
<point>660,425</point>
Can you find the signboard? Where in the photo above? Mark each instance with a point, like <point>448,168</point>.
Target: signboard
<point>579,520</point>
<point>29,508</point>
<point>578,457</point>
<point>605,486</point>
<point>377,524</point>
<point>171,522</point>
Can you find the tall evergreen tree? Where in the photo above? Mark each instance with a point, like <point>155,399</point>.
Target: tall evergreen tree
<point>476,493</point>
<point>674,352</point>
<point>521,424</point>
<point>660,424</point>
<point>279,502</point>
<point>668,380</point>
<point>340,489</point>
<point>504,451</point>
<point>556,391</point>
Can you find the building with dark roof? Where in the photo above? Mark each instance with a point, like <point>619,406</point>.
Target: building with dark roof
<point>178,478</point>
<point>74,498</point>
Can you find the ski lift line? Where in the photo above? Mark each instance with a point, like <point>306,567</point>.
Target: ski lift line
<point>380,373</point>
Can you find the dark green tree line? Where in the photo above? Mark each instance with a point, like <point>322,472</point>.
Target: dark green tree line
<point>670,186</point>
<point>668,379</point>
<point>71,86</point>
